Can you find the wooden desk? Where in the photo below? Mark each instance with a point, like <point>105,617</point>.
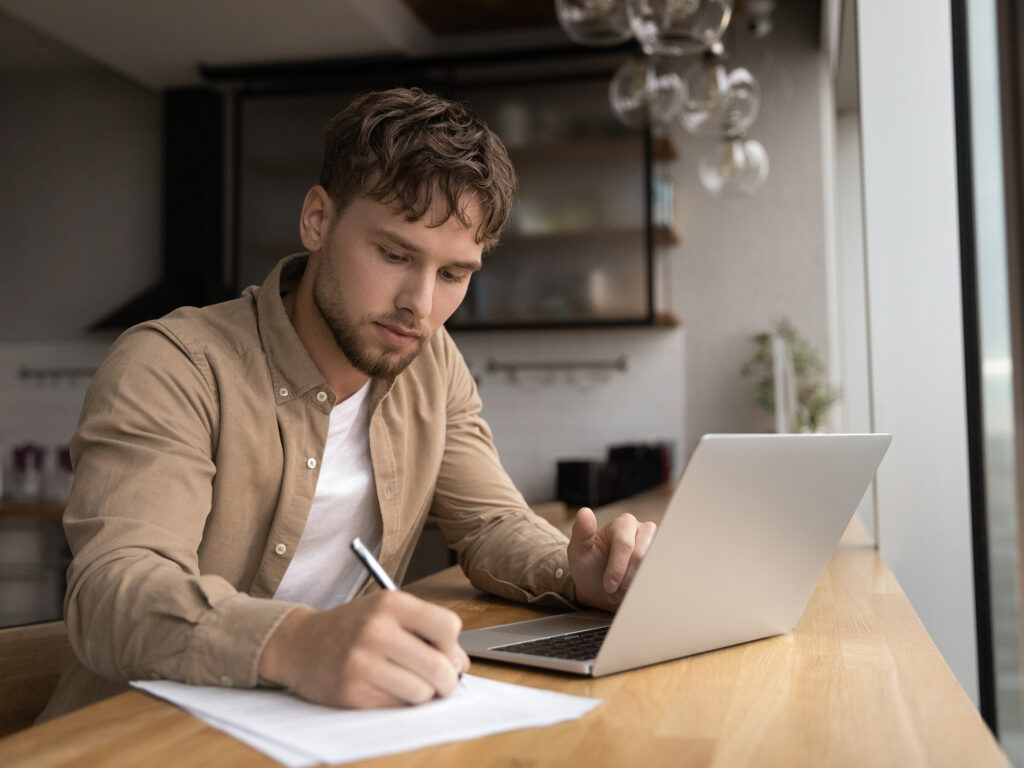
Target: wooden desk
<point>857,683</point>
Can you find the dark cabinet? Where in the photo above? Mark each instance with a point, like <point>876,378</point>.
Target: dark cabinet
<point>578,249</point>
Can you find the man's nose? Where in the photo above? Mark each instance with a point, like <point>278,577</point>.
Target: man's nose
<point>417,295</point>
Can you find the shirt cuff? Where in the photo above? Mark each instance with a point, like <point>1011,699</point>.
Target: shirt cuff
<point>225,647</point>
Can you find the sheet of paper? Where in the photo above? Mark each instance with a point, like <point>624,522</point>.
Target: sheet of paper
<point>298,733</point>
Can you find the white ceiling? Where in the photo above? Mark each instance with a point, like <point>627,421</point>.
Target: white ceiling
<point>161,43</point>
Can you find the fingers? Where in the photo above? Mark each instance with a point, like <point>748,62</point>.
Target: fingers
<point>622,540</point>
<point>584,530</point>
<point>434,625</point>
<point>425,670</point>
<point>373,680</point>
<point>629,541</point>
<point>424,646</point>
<point>386,649</point>
<point>644,536</point>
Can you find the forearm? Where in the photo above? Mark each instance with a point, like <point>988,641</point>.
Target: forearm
<point>134,615</point>
<point>519,556</point>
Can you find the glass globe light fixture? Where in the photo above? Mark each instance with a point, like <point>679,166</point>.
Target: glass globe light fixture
<point>646,91</point>
<point>759,17</point>
<point>719,102</point>
<point>678,27</point>
<point>594,22</point>
<point>734,166</point>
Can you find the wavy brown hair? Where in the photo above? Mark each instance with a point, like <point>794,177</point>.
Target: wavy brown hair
<point>406,146</point>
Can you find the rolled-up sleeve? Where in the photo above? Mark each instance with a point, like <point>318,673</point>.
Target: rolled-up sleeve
<point>137,605</point>
<point>503,547</point>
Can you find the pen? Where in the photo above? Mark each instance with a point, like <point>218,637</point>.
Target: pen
<point>377,571</point>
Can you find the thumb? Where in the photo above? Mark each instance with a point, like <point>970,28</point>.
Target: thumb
<point>584,528</point>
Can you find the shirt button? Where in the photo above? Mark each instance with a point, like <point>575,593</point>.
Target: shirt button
<point>283,391</point>
<point>559,573</point>
<point>226,681</point>
<point>321,396</point>
<point>311,462</point>
<point>280,549</point>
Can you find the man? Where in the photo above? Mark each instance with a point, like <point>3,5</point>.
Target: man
<point>227,456</point>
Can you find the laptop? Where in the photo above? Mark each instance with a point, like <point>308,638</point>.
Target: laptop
<point>738,553</point>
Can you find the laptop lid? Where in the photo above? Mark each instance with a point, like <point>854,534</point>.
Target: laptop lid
<point>743,542</point>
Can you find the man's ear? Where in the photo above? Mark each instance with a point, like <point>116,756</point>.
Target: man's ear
<point>315,219</point>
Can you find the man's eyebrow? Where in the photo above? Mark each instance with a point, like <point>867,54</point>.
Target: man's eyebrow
<point>396,238</point>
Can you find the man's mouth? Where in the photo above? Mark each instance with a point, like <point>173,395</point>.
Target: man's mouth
<point>399,334</point>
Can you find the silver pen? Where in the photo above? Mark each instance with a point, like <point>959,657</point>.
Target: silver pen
<point>376,569</point>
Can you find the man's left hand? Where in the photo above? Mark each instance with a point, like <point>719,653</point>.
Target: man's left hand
<point>603,561</point>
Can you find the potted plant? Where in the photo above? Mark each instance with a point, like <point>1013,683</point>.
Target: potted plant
<point>814,396</point>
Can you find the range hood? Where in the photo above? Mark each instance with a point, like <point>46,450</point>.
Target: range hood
<point>193,201</point>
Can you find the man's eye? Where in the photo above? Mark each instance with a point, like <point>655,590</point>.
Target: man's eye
<point>390,255</point>
<point>452,277</point>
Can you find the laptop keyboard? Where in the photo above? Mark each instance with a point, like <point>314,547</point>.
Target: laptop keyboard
<point>578,646</point>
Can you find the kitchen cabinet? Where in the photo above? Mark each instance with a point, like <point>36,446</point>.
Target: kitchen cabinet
<point>579,246</point>
<point>34,556</point>
<point>576,249</point>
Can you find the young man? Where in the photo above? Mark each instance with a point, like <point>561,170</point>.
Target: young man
<point>227,456</point>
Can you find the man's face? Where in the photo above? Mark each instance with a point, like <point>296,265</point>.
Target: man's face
<point>384,285</point>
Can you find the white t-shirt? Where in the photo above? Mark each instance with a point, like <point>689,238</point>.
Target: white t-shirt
<point>324,571</point>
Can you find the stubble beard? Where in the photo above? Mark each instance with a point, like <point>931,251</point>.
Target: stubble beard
<point>346,331</point>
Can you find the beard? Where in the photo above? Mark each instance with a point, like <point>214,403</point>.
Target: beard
<point>347,331</point>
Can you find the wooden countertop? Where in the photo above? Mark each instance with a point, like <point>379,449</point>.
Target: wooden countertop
<point>857,683</point>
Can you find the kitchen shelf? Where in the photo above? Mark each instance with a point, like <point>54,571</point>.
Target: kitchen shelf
<point>581,236</point>
<point>574,149</point>
<point>34,510</point>
<point>666,236</point>
<point>663,149</point>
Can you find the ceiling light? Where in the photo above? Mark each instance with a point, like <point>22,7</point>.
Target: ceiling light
<point>646,90</point>
<point>733,166</point>
<point>594,22</point>
<point>678,27</point>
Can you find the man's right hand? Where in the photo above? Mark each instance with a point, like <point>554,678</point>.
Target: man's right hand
<point>381,650</point>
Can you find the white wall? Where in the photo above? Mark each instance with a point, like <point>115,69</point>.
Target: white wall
<point>80,155</point>
<point>855,406</point>
<point>912,246</point>
<point>745,263</point>
<point>79,190</point>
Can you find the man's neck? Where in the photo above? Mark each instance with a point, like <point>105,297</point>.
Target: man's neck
<point>342,377</point>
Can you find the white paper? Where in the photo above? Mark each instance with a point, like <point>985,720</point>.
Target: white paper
<point>298,733</point>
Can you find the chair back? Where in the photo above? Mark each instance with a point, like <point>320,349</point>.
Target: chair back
<point>31,661</point>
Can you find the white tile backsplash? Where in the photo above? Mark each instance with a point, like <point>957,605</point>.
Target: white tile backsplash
<point>42,409</point>
<point>544,417</point>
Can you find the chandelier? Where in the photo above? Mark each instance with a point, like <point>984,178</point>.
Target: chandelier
<point>681,75</point>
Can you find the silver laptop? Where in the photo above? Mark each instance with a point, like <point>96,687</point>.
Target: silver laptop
<point>740,549</point>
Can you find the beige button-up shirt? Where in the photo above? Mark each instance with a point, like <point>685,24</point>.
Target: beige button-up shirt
<point>196,461</point>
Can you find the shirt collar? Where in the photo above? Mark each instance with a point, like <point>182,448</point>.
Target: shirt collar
<point>292,372</point>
